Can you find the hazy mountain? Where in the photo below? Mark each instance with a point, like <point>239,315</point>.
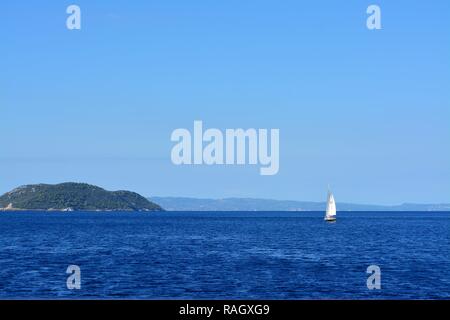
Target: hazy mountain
<point>249,204</point>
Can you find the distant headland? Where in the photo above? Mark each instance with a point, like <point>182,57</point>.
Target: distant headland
<point>72,196</point>
<point>250,204</point>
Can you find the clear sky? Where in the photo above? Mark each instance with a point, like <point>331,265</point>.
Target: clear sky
<point>366,111</point>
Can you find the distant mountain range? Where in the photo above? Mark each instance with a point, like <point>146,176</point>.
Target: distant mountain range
<point>249,204</point>
<point>72,196</point>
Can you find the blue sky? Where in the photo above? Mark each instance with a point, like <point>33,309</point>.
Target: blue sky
<point>366,111</point>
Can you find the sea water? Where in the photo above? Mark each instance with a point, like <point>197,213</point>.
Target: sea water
<point>234,255</point>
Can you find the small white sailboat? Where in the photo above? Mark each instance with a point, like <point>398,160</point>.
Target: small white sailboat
<point>330,214</point>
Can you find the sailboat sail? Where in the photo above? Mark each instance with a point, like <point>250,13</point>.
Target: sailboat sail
<point>331,207</point>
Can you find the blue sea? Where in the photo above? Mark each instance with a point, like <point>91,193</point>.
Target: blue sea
<point>235,255</point>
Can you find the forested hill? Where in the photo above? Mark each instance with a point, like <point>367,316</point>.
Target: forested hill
<point>74,196</point>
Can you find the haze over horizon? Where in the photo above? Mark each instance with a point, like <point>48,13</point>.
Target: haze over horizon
<point>257,199</point>
<point>364,111</point>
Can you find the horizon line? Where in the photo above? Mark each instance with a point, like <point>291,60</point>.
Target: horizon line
<point>312,201</point>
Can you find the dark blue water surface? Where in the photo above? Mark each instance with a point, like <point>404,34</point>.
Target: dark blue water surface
<point>265,255</point>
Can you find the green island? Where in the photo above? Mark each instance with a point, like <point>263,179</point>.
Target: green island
<point>71,196</point>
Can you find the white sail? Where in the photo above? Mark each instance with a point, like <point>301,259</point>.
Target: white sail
<point>331,207</point>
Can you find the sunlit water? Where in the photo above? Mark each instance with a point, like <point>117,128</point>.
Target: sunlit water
<point>225,255</point>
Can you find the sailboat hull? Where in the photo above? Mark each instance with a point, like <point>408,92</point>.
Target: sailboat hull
<point>330,219</point>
